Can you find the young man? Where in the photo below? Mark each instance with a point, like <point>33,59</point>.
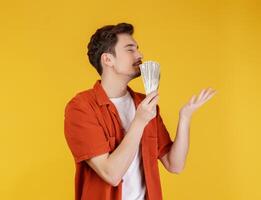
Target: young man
<point>116,135</point>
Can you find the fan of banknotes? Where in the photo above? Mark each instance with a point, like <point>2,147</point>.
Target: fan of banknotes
<point>150,73</point>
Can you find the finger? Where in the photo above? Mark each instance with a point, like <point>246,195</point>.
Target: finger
<point>208,93</point>
<point>207,98</point>
<point>150,96</point>
<point>202,94</point>
<point>153,102</point>
<point>192,99</point>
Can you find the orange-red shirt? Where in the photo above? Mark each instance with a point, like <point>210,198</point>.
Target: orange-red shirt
<point>92,127</point>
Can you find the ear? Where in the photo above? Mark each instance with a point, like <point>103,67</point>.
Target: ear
<point>107,59</point>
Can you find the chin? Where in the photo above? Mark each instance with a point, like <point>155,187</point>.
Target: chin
<point>135,75</point>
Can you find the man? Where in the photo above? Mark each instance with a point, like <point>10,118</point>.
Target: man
<point>116,134</point>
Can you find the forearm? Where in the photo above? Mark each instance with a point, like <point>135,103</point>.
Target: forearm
<point>121,158</point>
<point>179,149</point>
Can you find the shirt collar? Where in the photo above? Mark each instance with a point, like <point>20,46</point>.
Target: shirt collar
<point>103,99</point>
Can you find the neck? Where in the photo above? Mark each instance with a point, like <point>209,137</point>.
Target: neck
<point>114,87</point>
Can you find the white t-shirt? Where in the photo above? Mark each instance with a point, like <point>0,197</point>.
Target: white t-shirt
<point>133,186</point>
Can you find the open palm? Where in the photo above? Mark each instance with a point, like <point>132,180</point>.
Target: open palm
<point>196,101</point>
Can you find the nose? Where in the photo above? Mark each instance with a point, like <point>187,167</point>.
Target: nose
<point>140,55</point>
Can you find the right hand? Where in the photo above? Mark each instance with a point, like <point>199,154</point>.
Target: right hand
<point>146,110</point>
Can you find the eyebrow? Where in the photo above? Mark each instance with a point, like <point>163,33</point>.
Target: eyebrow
<point>131,45</point>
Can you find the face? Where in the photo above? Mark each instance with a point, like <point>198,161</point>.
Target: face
<point>127,59</point>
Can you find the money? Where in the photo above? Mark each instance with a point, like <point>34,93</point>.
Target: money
<point>150,73</point>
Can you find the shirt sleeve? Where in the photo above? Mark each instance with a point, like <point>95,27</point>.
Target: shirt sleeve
<point>164,140</point>
<point>84,135</point>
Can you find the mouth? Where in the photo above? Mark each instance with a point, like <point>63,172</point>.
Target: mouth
<point>137,63</point>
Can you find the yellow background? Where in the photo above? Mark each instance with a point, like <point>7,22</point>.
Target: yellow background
<point>198,44</point>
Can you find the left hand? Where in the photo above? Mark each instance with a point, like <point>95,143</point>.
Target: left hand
<point>188,109</point>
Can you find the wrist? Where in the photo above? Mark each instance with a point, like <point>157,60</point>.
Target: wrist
<point>140,123</point>
<point>185,117</point>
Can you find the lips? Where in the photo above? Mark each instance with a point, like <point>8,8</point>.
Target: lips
<point>137,63</point>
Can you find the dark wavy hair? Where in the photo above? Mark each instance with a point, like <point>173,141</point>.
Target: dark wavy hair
<point>104,41</point>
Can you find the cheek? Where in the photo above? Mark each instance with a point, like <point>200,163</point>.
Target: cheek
<point>126,61</point>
